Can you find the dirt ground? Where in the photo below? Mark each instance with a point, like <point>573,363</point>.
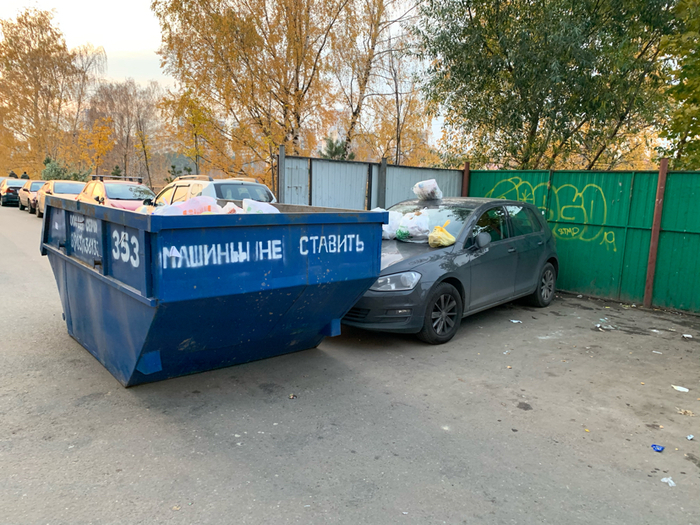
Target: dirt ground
<point>550,420</point>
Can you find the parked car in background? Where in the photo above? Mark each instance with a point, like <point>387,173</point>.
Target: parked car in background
<point>504,250</point>
<point>28,194</point>
<point>116,193</point>
<point>9,191</point>
<point>67,189</point>
<point>189,186</point>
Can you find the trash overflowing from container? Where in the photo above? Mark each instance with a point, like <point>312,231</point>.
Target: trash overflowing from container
<point>203,205</point>
<point>156,296</point>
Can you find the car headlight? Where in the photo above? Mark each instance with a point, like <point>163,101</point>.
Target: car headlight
<point>396,282</point>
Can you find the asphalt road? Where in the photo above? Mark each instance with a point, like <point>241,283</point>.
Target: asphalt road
<point>545,421</point>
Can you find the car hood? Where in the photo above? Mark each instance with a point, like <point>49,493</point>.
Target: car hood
<point>126,205</point>
<point>400,256</point>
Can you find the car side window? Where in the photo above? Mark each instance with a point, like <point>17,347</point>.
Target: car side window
<point>521,221</point>
<point>180,194</point>
<point>165,196</point>
<point>536,221</point>
<point>196,190</point>
<point>492,222</point>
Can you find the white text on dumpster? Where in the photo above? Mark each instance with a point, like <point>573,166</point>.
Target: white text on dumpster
<point>82,229</point>
<point>330,244</point>
<point>217,254</point>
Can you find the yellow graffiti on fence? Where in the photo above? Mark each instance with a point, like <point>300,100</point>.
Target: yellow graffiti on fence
<point>567,204</point>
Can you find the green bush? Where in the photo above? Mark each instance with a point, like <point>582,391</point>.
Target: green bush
<point>56,170</point>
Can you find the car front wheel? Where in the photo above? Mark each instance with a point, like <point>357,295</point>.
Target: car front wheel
<point>546,284</point>
<point>442,315</point>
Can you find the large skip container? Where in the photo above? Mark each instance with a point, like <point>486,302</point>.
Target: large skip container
<point>155,297</point>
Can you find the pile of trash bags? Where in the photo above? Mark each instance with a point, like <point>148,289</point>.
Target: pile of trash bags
<point>414,226</point>
<point>209,206</point>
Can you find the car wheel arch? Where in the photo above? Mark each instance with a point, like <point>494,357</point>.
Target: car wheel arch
<point>554,262</point>
<point>454,282</point>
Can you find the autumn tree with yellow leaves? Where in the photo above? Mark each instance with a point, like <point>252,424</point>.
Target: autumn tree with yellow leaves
<point>258,67</point>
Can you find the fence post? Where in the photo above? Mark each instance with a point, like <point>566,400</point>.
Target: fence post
<point>381,185</point>
<point>281,184</point>
<point>655,231</point>
<point>466,175</point>
<point>310,170</point>
<point>368,190</point>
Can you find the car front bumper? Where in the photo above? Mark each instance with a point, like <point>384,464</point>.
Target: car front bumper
<point>402,312</point>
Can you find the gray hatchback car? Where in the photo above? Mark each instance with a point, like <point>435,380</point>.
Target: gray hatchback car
<point>504,250</point>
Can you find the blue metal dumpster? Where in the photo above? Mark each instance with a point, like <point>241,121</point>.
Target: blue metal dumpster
<point>155,297</point>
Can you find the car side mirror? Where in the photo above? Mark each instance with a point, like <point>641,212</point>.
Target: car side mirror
<point>482,240</point>
<point>148,202</point>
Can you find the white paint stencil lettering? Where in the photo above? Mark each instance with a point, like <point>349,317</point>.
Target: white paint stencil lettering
<point>219,254</point>
<point>330,244</point>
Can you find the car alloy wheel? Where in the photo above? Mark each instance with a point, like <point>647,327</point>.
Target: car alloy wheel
<point>547,285</point>
<point>443,315</point>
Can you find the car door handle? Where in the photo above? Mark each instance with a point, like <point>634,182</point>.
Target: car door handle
<point>511,250</point>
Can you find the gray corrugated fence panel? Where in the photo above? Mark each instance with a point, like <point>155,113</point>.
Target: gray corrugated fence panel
<point>338,184</point>
<point>400,181</point>
<point>375,186</point>
<point>296,181</point>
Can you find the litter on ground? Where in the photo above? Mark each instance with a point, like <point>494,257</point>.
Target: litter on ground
<point>669,481</point>
<point>680,388</point>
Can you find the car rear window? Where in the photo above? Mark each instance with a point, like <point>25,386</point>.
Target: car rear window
<point>36,185</point>
<point>128,192</point>
<point>16,183</point>
<point>72,188</point>
<point>237,192</point>
<point>438,215</point>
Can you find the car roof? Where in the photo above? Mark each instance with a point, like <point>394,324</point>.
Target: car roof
<point>236,181</point>
<point>462,202</point>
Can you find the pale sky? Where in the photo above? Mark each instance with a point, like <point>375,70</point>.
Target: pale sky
<point>126,29</point>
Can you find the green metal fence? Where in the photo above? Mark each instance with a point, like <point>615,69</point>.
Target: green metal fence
<point>602,222</point>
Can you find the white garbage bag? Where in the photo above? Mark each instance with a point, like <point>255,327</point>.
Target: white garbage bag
<point>427,190</point>
<point>194,206</point>
<point>414,227</point>
<point>389,230</point>
<point>231,208</point>
<point>251,206</point>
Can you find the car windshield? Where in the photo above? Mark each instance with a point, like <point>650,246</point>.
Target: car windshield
<point>438,215</point>
<point>237,192</point>
<point>36,185</point>
<point>128,192</point>
<point>72,188</point>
